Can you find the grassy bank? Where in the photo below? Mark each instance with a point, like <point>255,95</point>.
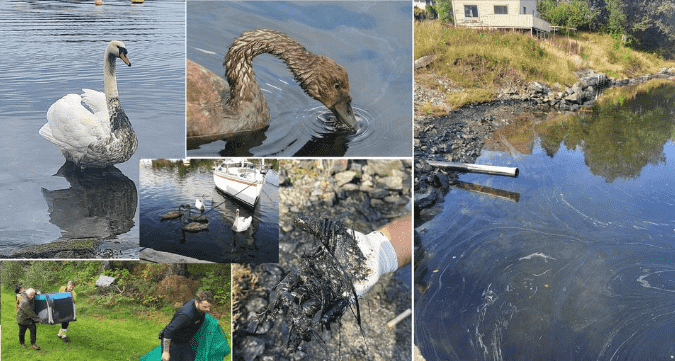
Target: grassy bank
<point>478,63</point>
<point>122,320</point>
<point>94,336</point>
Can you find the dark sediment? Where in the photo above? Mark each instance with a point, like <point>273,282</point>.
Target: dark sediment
<point>365,195</point>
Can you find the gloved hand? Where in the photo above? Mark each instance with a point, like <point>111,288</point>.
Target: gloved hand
<point>380,258</point>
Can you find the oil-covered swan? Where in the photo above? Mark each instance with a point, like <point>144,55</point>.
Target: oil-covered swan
<point>216,109</point>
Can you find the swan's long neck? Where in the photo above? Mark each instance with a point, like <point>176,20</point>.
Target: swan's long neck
<point>109,79</point>
<point>118,119</point>
<point>239,60</point>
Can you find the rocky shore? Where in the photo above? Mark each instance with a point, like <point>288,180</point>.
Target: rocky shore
<point>583,93</point>
<point>77,249</point>
<point>365,195</point>
<point>461,135</point>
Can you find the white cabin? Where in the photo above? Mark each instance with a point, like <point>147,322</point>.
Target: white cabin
<point>500,14</point>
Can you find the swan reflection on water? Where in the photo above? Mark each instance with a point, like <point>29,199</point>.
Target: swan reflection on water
<point>100,203</point>
<point>324,136</point>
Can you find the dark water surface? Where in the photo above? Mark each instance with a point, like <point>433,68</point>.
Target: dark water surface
<point>580,267</point>
<point>53,48</point>
<point>371,40</point>
<point>163,189</point>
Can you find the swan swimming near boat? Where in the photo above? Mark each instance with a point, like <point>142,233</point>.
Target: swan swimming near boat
<point>173,214</point>
<point>199,203</point>
<point>189,226</point>
<point>100,136</point>
<point>240,223</point>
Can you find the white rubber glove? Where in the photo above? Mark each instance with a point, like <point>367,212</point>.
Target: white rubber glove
<point>380,258</point>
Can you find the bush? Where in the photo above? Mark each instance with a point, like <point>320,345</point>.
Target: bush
<point>11,273</point>
<point>444,8</point>
<point>431,11</point>
<point>575,14</point>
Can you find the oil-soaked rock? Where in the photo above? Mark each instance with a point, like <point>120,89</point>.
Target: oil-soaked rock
<point>346,339</point>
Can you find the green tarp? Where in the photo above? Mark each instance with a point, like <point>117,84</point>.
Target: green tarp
<point>210,344</point>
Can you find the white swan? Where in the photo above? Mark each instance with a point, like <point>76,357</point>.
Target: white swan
<point>199,204</point>
<point>240,223</point>
<point>98,138</point>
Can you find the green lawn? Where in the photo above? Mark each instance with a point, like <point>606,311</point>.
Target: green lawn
<point>92,337</point>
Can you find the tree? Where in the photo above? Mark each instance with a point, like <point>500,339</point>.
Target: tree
<point>575,14</point>
<point>616,22</point>
<point>444,8</point>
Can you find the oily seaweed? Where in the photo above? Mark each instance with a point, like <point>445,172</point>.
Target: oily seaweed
<point>317,294</point>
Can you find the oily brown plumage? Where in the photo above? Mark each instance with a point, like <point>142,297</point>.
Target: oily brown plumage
<point>216,109</point>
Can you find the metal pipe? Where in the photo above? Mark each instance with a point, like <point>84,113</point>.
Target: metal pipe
<point>399,318</point>
<point>477,168</point>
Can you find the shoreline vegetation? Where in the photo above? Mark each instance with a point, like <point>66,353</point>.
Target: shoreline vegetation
<point>470,66</point>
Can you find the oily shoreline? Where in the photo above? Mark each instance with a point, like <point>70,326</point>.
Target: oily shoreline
<point>461,135</point>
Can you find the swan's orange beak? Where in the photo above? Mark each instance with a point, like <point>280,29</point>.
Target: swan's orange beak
<point>344,113</point>
<point>124,58</point>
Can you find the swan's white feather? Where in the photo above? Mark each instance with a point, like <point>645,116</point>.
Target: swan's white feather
<point>95,100</point>
<point>241,224</point>
<point>74,125</point>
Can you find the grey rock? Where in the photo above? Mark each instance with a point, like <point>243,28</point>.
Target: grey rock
<point>339,165</point>
<point>378,193</point>
<point>538,87</point>
<point>424,61</point>
<point>426,199</point>
<point>256,305</point>
<point>252,347</point>
<point>573,98</point>
<point>345,177</point>
<point>350,187</point>
<point>393,182</point>
<point>441,180</point>
<point>384,167</point>
<point>104,281</point>
<point>395,199</point>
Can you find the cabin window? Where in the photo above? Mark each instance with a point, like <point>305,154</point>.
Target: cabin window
<point>501,10</point>
<point>524,10</point>
<point>470,11</point>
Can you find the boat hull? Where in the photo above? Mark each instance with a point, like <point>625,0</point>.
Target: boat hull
<point>244,188</point>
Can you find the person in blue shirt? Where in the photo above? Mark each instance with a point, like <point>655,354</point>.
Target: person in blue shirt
<point>184,326</point>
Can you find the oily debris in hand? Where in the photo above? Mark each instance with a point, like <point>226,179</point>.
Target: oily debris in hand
<point>316,295</point>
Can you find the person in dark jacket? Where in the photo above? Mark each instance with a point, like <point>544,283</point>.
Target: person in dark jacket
<point>26,318</point>
<point>183,327</point>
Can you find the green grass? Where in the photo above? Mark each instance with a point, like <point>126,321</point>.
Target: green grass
<point>115,335</point>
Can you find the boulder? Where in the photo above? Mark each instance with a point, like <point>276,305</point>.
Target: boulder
<point>426,199</point>
<point>104,281</point>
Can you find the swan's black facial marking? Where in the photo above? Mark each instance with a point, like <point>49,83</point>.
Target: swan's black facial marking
<point>123,55</point>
